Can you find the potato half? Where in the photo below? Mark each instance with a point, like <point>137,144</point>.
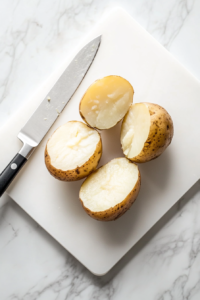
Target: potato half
<point>106,102</point>
<point>73,151</point>
<point>146,131</point>
<point>111,190</point>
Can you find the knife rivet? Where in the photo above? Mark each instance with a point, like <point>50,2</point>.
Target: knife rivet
<point>14,166</point>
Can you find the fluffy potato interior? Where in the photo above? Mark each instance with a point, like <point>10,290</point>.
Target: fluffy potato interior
<point>106,102</point>
<point>72,145</point>
<point>135,129</point>
<point>109,185</point>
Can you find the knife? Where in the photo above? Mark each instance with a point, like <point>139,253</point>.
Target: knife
<point>49,110</point>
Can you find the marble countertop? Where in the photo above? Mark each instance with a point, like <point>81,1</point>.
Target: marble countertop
<point>165,265</point>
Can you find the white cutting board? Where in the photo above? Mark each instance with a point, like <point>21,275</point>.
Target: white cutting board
<point>129,51</point>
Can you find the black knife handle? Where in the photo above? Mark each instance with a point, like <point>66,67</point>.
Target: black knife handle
<point>11,171</point>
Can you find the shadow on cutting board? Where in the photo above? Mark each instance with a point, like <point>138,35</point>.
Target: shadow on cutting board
<point>72,265</point>
<point>153,179</point>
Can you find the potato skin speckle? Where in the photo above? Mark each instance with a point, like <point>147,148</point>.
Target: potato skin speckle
<point>79,172</point>
<point>160,134</point>
<point>118,210</point>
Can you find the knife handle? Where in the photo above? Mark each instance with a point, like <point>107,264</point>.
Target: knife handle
<point>11,171</point>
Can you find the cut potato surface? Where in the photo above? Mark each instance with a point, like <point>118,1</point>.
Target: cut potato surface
<point>108,192</point>
<point>146,131</point>
<point>73,151</point>
<point>135,130</point>
<point>106,102</point>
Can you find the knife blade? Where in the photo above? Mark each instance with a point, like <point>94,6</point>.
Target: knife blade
<point>49,110</point>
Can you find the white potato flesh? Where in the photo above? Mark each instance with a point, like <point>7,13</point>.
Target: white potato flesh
<point>106,102</point>
<point>135,129</point>
<point>72,145</point>
<point>109,185</point>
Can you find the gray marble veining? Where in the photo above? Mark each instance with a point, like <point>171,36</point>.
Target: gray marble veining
<point>35,38</point>
<point>164,264</point>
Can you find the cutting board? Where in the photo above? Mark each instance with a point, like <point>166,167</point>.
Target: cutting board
<point>129,51</point>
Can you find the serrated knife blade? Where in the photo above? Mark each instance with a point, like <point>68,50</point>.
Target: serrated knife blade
<point>49,110</point>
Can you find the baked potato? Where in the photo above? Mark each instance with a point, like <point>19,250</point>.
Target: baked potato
<point>73,151</point>
<point>146,131</point>
<point>109,192</point>
<point>106,102</point>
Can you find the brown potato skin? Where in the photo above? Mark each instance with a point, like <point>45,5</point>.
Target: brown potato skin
<point>78,173</point>
<point>118,210</point>
<point>160,134</point>
<point>82,116</point>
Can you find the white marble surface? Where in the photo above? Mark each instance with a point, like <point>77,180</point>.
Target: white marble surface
<point>35,37</point>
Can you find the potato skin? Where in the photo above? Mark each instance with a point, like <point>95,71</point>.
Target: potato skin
<point>160,134</point>
<point>82,116</point>
<point>78,173</point>
<point>118,210</point>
